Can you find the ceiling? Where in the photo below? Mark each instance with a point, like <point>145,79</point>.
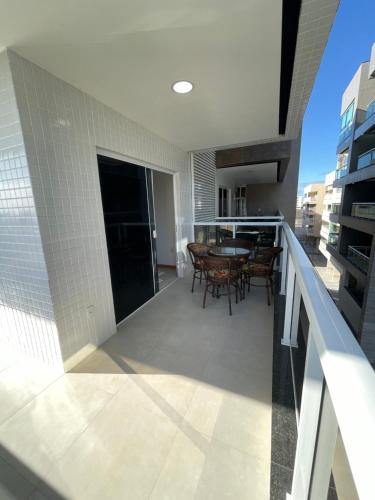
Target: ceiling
<point>127,54</point>
<point>247,174</point>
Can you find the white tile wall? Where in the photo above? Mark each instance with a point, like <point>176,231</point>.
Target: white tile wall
<point>26,313</point>
<point>62,127</point>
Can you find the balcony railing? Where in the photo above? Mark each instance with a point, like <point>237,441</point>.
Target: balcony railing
<point>345,133</point>
<point>363,210</point>
<point>339,382</point>
<point>370,110</point>
<point>359,256</point>
<point>333,239</point>
<point>366,159</point>
<point>341,172</point>
<point>335,208</point>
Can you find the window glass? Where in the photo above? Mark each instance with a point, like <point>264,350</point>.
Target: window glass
<point>347,116</point>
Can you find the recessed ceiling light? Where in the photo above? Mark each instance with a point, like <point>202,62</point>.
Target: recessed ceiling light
<point>182,87</point>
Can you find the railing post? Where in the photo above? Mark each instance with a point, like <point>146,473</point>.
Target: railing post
<point>308,423</point>
<point>325,449</point>
<point>289,302</point>
<point>284,259</point>
<point>295,313</point>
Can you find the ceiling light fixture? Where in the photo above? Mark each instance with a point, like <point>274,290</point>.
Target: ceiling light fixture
<point>182,87</point>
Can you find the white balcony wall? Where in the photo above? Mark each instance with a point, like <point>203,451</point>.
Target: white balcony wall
<point>27,323</point>
<point>62,129</point>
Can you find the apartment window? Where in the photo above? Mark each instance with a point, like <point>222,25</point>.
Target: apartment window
<point>347,117</point>
<point>370,109</point>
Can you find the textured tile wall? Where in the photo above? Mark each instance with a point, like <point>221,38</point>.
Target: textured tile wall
<point>62,127</point>
<point>26,313</point>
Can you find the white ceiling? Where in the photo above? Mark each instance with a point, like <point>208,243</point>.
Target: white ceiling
<point>127,53</point>
<point>247,174</point>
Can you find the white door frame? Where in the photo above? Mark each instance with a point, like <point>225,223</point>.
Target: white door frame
<point>136,161</point>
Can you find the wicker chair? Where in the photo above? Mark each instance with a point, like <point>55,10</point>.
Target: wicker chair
<point>197,252</point>
<point>222,273</point>
<point>262,269</point>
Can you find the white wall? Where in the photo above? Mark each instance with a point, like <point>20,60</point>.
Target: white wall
<point>27,322</point>
<point>62,127</point>
<point>164,217</point>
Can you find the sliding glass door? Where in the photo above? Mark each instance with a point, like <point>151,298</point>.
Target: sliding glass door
<point>127,199</point>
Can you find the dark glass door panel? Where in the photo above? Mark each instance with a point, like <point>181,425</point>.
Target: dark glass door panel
<point>125,197</point>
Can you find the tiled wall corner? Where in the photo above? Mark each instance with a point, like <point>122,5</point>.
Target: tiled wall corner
<point>62,129</point>
<point>27,321</point>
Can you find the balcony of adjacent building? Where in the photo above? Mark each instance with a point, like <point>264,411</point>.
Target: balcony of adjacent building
<point>353,250</point>
<point>366,159</point>
<point>358,208</point>
<point>347,124</point>
<point>342,164</point>
<point>359,255</point>
<point>366,121</point>
<point>351,301</point>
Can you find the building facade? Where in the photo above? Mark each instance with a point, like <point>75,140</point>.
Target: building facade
<point>313,196</point>
<point>354,247</point>
<point>330,227</point>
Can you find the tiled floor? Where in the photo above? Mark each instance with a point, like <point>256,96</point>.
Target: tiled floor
<point>166,276</point>
<point>177,405</point>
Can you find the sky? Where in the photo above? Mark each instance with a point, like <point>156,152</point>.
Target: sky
<point>349,44</point>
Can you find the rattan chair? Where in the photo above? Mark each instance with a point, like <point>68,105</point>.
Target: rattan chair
<point>263,269</point>
<point>197,252</point>
<point>222,273</point>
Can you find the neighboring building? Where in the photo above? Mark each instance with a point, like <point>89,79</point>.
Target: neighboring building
<point>355,247</point>
<point>299,204</point>
<point>313,195</point>
<point>329,231</point>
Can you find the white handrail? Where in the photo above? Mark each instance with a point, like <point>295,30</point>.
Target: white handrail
<point>260,217</point>
<point>229,223</point>
<point>349,376</point>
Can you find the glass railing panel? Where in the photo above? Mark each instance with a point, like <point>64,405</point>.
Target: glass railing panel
<point>366,159</point>
<point>363,210</point>
<point>341,172</point>
<point>359,256</point>
<point>345,133</point>
<point>370,110</point>
<point>333,239</point>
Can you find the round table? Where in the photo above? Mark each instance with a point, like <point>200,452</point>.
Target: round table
<point>230,252</point>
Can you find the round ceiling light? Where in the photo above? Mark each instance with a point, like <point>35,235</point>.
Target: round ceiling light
<point>182,87</point>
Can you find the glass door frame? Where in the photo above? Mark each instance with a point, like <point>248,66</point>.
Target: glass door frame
<point>151,167</point>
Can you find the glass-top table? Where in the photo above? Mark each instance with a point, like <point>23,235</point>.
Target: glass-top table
<point>229,252</point>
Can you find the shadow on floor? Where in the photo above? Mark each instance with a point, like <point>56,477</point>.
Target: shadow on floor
<point>173,334</point>
<point>18,481</point>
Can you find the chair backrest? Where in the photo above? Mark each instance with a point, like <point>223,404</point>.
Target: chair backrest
<point>273,252</point>
<point>237,243</point>
<point>196,251</point>
<point>221,264</point>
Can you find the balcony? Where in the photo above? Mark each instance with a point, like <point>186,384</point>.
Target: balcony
<point>342,172</point>
<point>370,110</point>
<point>345,133</point>
<point>366,159</point>
<point>178,381</point>
<point>359,256</point>
<point>363,210</point>
<point>333,239</point>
